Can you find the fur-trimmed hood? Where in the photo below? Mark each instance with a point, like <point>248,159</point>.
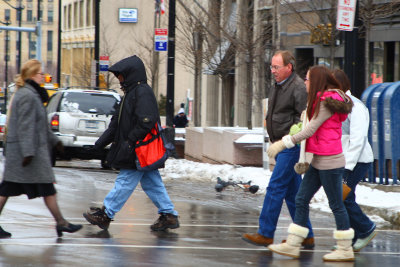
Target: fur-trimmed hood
<point>337,101</point>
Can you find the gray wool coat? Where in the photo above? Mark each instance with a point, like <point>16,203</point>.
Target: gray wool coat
<point>28,134</point>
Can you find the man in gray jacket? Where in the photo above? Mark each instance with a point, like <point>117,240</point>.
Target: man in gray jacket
<point>287,100</point>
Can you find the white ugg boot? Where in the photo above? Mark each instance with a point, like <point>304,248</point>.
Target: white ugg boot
<point>344,251</point>
<point>292,245</point>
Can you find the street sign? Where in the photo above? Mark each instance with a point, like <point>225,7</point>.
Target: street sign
<point>160,39</point>
<point>104,62</point>
<point>345,15</point>
<point>128,15</point>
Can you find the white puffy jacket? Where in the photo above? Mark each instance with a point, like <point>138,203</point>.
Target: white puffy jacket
<point>356,147</point>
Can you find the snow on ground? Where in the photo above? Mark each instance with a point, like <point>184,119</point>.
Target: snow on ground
<point>189,170</point>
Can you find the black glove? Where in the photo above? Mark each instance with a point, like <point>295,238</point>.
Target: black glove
<point>26,161</point>
<point>93,149</point>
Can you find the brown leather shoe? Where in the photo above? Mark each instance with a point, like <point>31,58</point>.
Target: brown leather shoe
<point>308,243</point>
<point>257,239</point>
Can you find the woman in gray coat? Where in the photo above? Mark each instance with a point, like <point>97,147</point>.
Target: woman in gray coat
<point>29,141</point>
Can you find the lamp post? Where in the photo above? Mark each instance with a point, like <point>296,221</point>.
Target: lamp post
<point>7,22</point>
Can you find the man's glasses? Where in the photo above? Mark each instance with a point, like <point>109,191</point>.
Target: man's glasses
<point>275,67</point>
<point>41,73</point>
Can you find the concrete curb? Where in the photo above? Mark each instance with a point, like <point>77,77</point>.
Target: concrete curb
<point>386,214</point>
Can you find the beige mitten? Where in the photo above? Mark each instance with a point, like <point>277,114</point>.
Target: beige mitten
<point>275,148</point>
<point>278,146</point>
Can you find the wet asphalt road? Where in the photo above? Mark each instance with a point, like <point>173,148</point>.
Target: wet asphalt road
<point>210,234</point>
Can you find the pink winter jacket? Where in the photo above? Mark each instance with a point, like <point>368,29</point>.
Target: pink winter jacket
<point>327,139</point>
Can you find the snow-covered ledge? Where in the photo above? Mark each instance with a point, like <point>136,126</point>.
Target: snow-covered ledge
<point>233,145</point>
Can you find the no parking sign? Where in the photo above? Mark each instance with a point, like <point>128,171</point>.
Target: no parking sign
<point>160,39</point>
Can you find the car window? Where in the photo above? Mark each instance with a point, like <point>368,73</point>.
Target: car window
<point>3,119</point>
<point>53,102</point>
<point>76,102</point>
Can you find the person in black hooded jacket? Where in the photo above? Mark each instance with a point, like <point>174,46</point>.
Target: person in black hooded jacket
<point>133,120</point>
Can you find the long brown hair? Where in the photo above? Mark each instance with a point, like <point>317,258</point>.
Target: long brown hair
<point>28,70</point>
<point>343,80</point>
<point>320,79</point>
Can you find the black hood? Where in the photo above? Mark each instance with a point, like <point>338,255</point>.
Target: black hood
<point>132,69</point>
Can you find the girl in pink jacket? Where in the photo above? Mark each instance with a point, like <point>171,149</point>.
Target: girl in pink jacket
<point>327,106</point>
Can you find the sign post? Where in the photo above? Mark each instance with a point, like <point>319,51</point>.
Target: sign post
<point>160,40</point>
<point>345,15</point>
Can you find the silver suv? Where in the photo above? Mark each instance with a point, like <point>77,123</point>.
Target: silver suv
<point>78,117</point>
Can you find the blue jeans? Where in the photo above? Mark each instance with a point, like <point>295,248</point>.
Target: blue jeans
<point>331,181</point>
<point>125,184</point>
<point>361,224</point>
<point>283,185</point>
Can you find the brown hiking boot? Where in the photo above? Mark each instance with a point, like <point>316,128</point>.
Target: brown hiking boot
<point>308,243</point>
<point>257,239</point>
<point>165,221</point>
<point>98,217</point>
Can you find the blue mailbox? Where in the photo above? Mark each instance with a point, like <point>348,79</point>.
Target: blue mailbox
<point>377,122</point>
<point>391,117</point>
<point>366,97</point>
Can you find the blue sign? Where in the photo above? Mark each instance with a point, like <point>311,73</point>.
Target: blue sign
<point>160,46</point>
<point>103,67</point>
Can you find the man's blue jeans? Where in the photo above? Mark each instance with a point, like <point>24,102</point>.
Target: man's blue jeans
<point>361,224</point>
<point>283,185</point>
<point>125,184</point>
<point>331,181</point>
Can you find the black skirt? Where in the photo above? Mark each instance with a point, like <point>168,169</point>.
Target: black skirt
<point>11,189</point>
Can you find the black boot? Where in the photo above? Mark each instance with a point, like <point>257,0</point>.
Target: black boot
<point>97,216</point>
<point>4,234</point>
<point>165,221</point>
<point>69,228</point>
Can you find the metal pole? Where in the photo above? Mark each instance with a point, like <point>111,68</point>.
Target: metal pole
<point>19,10</point>
<point>171,64</point>
<point>39,40</point>
<point>6,70</point>
<point>97,40</point>
<point>59,44</point>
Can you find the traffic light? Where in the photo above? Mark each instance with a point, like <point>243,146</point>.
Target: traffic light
<point>47,78</point>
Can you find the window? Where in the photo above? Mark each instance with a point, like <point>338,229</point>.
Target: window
<point>18,15</point>
<point>32,45</point>
<point>76,13</point>
<point>7,14</point>
<point>50,15</point>
<point>29,16</point>
<point>81,15</point>
<point>69,20</point>
<point>76,102</point>
<point>49,41</point>
<point>88,13</point>
<point>65,18</point>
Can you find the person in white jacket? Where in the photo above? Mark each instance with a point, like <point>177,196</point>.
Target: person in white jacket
<point>359,157</point>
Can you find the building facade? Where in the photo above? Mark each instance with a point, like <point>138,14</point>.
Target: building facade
<point>25,46</point>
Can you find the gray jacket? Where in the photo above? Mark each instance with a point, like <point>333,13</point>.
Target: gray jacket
<point>28,134</point>
<point>285,104</point>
